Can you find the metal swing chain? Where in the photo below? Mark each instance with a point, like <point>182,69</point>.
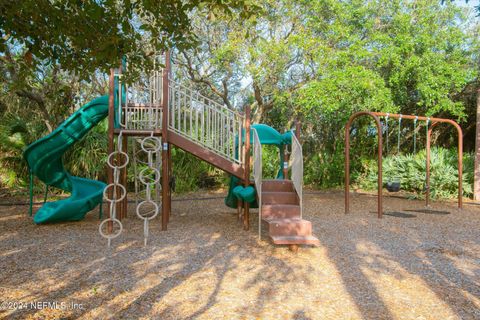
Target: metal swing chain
<point>426,128</point>
<point>386,130</point>
<point>426,131</point>
<point>415,135</point>
<point>399,133</point>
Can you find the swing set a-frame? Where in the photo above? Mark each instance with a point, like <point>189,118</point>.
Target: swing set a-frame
<point>431,123</point>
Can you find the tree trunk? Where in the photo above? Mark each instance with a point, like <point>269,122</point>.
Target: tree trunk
<point>41,106</point>
<point>476,184</point>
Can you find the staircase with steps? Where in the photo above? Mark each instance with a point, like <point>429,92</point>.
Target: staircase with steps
<point>281,214</point>
<point>211,131</point>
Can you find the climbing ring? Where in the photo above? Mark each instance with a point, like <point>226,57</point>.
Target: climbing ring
<point>112,235</point>
<point>110,159</point>
<point>123,193</point>
<point>145,215</point>
<point>143,174</point>
<point>156,144</point>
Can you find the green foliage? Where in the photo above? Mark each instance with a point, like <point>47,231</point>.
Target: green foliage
<point>192,174</point>
<point>84,36</point>
<point>410,170</point>
<point>425,64</point>
<point>88,157</point>
<point>32,103</point>
<point>324,170</point>
<point>15,135</point>
<point>322,60</point>
<point>326,97</point>
<point>270,162</point>
<point>314,60</point>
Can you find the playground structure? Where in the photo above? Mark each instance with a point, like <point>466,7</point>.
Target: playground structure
<point>160,113</point>
<point>156,114</point>
<point>376,116</point>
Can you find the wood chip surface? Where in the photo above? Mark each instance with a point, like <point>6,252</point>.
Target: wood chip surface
<point>412,264</point>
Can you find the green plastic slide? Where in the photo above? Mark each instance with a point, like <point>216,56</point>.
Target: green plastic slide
<point>267,136</point>
<point>44,158</point>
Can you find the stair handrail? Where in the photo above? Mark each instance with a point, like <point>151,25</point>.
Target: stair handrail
<point>296,163</point>
<point>206,122</point>
<point>257,175</point>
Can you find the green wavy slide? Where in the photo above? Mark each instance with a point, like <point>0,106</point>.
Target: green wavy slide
<point>44,158</point>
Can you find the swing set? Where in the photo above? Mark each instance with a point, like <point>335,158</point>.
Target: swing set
<point>394,184</point>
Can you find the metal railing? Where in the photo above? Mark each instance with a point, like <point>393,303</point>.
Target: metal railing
<point>205,122</point>
<point>141,106</point>
<point>198,118</point>
<point>296,162</point>
<point>139,117</point>
<point>257,176</point>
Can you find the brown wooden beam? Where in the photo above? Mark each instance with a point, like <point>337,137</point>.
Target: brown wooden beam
<point>165,145</point>
<point>476,170</point>
<point>206,155</point>
<point>170,175</point>
<point>111,114</point>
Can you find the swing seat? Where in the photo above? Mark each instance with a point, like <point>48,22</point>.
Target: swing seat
<point>393,186</point>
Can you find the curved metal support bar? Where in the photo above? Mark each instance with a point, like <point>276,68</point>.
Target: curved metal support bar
<point>347,159</point>
<point>376,116</point>
<point>436,121</point>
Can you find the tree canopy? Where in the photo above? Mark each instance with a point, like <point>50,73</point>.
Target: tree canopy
<point>321,60</point>
<point>83,36</point>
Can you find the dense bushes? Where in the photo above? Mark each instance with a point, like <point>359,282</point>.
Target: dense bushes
<point>324,170</point>
<point>410,170</point>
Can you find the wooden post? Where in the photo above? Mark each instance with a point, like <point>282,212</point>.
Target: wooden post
<point>285,161</point>
<point>170,175</point>
<point>427,178</point>
<point>460,164</point>
<point>165,145</point>
<point>246,178</point>
<point>476,177</point>
<point>111,137</point>
<point>122,208</point>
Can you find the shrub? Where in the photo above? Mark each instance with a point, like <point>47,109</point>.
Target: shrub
<point>324,170</point>
<point>410,169</point>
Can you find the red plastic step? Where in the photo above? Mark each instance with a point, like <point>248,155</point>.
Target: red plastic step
<point>277,185</point>
<point>289,227</point>
<point>279,197</point>
<point>310,240</point>
<point>277,211</point>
